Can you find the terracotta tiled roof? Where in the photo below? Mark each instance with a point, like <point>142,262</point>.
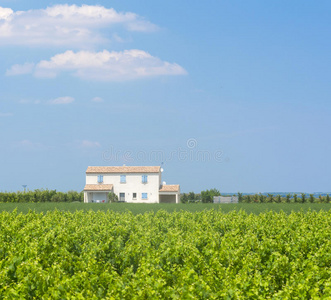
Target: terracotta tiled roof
<point>98,187</point>
<point>170,188</point>
<point>123,169</point>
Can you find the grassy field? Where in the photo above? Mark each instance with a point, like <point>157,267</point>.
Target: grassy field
<point>255,208</point>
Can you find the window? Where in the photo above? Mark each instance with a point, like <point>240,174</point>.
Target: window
<point>122,197</point>
<point>144,178</point>
<point>100,178</point>
<point>123,178</point>
<point>144,196</point>
<point>134,196</point>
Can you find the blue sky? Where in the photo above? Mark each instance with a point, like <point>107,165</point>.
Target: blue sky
<point>233,95</point>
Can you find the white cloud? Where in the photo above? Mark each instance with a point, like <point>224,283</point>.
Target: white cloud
<point>97,99</point>
<point>5,114</point>
<point>5,13</point>
<point>106,66</point>
<point>69,25</point>
<point>29,145</point>
<point>89,144</point>
<point>62,100</point>
<point>20,69</point>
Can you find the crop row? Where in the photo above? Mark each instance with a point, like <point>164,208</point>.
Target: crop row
<point>180,255</point>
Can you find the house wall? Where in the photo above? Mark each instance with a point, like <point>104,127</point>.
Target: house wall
<point>90,196</point>
<point>167,198</point>
<point>133,185</point>
<point>170,197</point>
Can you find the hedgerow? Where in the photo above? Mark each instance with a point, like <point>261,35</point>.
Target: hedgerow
<point>40,195</point>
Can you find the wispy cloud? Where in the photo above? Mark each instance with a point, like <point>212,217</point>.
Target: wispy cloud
<point>20,69</point>
<point>106,66</point>
<point>86,144</point>
<point>69,25</point>
<point>97,99</point>
<point>6,114</point>
<point>30,145</point>
<point>62,100</point>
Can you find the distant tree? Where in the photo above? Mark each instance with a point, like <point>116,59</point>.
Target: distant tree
<point>184,198</point>
<point>256,198</point>
<point>271,198</point>
<point>278,198</point>
<point>240,197</point>
<point>191,196</point>
<point>56,197</point>
<point>295,197</point>
<point>112,197</point>
<point>327,198</point>
<point>263,198</point>
<point>311,198</point>
<point>303,198</point>
<point>207,196</point>
<point>288,198</point>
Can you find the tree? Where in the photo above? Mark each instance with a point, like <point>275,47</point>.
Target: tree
<point>295,196</point>
<point>288,198</point>
<point>278,198</point>
<point>207,196</point>
<point>263,198</point>
<point>184,198</point>
<point>256,198</point>
<point>240,197</point>
<point>112,197</point>
<point>270,198</point>
<point>191,196</point>
<point>303,197</point>
<point>311,198</point>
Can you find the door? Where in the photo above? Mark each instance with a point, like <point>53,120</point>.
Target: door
<point>122,197</point>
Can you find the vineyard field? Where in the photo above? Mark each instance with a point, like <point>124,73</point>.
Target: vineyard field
<point>206,254</point>
<point>142,208</point>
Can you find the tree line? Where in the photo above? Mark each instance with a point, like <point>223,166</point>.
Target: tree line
<point>204,197</point>
<point>40,195</point>
<point>208,195</point>
<point>288,198</point>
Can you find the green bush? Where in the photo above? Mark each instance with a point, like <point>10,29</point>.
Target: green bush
<point>112,197</point>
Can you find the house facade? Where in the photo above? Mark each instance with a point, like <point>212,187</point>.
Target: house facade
<point>130,183</point>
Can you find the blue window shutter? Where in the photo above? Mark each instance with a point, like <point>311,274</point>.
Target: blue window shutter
<point>100,178</point>
<point>123,178</point>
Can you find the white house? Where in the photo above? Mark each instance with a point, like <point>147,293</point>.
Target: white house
<point>130,184</point>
